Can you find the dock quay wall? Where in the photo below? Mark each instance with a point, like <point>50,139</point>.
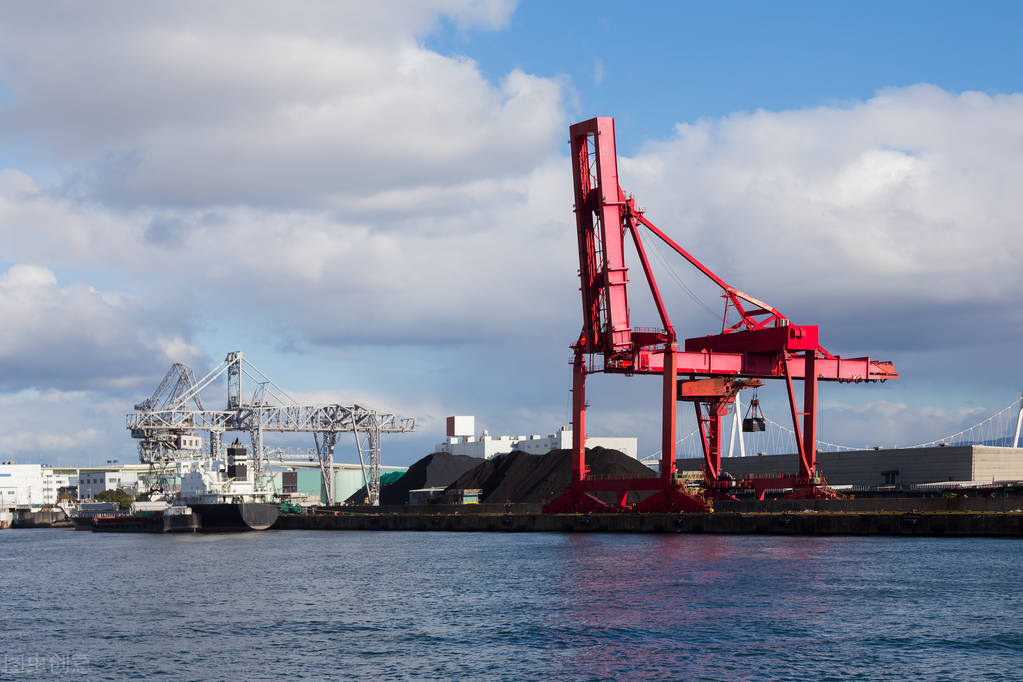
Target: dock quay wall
<point>934,524</point>
<point>858,504</point>
<point>45,518</point>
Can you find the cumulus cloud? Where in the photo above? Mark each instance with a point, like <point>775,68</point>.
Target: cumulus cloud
<point>57,426</point>
<point>443,275</point>
<point>888,212</point>
<point>29,442</point>
<point>77,336</point>
<point>257,104</point>
<point>892,424</point>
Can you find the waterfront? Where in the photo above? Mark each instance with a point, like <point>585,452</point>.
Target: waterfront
<point>309,605</point>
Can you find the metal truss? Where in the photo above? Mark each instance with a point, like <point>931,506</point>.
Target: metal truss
<point>172,412</point>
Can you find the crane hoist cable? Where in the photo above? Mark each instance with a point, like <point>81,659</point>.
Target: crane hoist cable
<point>678,279</point>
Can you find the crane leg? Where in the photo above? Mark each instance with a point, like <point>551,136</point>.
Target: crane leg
<point>711,437</point>
<point>576,498</point>
<point>669,416</point>
<point>808,462</point>
<point>578,420</point>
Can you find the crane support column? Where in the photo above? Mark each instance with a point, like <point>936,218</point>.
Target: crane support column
<point>710,435</point>
<point>578,419</point>
<point>808,462</point>
<point>669,415</point>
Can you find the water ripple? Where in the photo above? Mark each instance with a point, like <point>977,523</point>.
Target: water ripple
<point>315,605</point>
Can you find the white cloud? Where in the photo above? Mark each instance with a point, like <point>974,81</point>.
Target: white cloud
<point>905,200</point>
<point>54,426</point>
<point>254,104</point>
<point>893,424</point>
<point>77,336</point>
<point>46,443</point>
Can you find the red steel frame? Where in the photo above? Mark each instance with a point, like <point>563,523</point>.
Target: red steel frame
<point>762,344</point>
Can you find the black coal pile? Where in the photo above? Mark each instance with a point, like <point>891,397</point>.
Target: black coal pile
<point>433,471</point>
<point>522,477</point>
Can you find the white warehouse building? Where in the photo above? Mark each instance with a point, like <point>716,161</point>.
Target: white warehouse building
<point>462,441</point>
<point>28,485</point>
<point>91,482</point>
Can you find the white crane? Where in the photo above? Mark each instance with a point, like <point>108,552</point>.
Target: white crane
<point>166,424</point>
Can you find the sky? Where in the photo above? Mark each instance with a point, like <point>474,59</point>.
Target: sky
<point>373,201</point>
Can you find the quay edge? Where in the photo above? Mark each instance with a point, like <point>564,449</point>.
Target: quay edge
<point>915,524</point>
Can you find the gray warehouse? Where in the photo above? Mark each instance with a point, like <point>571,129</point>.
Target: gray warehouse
<point>977,464</point>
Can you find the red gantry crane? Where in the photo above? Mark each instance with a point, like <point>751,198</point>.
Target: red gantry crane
<point>708,371</point>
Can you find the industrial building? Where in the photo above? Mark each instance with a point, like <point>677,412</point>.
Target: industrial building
<point>961,464</point>
<point>91,482</point>
<point>34,485</point>
<point>462,441</point>
<point>28,485</point>
<point>306,484</point>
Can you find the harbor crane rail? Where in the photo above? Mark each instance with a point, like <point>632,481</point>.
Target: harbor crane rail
<point>759,343</point>
<point>162,422</point>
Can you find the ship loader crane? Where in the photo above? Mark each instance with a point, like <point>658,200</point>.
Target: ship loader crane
<point>708,370</point>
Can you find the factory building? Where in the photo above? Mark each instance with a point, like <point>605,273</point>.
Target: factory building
<point>28,485</point>
<point>91,482</point>
<point>462,441</point>
<point>960,464</point>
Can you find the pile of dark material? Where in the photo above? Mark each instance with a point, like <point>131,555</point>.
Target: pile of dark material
<point>433,471</point>
<point>522,477</point>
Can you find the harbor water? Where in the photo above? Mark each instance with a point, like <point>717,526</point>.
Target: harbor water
<point>396,605</point>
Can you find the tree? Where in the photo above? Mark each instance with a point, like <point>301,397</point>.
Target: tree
<point>122,498</point>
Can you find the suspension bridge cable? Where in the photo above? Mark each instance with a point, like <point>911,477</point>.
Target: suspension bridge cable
<point>952,437</point>
<point>819,442</point>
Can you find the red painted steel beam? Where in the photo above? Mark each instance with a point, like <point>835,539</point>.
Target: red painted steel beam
<point>669,416</point>
<point>766,340</point>
<point>598,211</point>
<point>755,365</point>
<point>808,463</point>
<point>621,484</point>
<point>578,418</point>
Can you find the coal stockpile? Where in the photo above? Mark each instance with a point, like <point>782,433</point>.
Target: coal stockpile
<point>433,471</point>
<point>522,477</point>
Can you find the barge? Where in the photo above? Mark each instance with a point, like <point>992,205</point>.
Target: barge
<point>149,517</point>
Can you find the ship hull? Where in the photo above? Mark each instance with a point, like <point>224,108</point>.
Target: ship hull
<point>235,517</point>
<point>152,523</point>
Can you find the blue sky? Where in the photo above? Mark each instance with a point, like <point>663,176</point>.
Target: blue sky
<point>665,62</point>
<point>374,203</point>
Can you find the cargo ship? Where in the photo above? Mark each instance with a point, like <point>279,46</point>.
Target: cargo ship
<point>6,519</point>
<point>226,496</point>
<point>148,517</point>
